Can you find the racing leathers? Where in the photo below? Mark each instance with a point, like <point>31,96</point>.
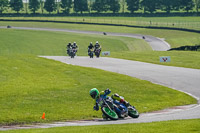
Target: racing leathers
<point>97,46</point>
<point>117,100</point>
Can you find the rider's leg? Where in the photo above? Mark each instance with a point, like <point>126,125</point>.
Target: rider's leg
<point>121,100</point>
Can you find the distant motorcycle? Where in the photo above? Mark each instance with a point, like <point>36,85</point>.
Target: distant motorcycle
<point>72,52</point>
<point>91,53</point>
<point>97,52</point>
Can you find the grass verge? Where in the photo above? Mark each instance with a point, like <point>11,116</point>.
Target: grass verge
<point>30,85</point>
<point>178,126</point>
<point>173,37</point>
<point>188,59</point>
<point>54,43</point>
<point>173,22</point>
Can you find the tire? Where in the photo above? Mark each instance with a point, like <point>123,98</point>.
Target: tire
<point>97,54</point>
<point>91,55</point>
<point>132,112</point>
<point>72,55</point>
<point>109,113</point>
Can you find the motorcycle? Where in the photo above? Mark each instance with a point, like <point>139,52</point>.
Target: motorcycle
<point>72,52</point>
<point>91,53</point>
<point>97,52</point>
<point>114,112</point>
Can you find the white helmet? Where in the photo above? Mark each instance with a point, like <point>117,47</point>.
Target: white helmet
<point>97,42</point>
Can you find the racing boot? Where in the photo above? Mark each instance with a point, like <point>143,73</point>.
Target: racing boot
<point>104,117</point>
<point>126,103</point>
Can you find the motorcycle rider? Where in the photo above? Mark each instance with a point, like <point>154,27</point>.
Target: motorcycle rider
<point>98,96</point>
<point>97,46</point>
<point>75,46</point>
<point>90,47</point>
<point>69,46</point>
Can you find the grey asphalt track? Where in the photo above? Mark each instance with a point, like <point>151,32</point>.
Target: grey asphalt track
<point>156,43</point>
<point>183,79</point>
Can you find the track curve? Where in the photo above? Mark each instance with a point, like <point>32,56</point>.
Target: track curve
<point>182,79</point>
<point>156,43</point>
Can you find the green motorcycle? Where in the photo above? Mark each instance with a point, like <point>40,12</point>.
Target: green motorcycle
<point>107,108</point>
<point>114,112</point>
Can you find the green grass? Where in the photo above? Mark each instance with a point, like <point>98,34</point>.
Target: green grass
<point>178,126</point>
<point>173,37</point>
<point>177,22</point>
<point>186,59</point>
<point>30,85</point>
<point>54,43</point>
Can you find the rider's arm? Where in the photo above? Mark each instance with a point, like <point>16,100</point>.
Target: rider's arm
<point>105,93</point>
<point>96,106</point>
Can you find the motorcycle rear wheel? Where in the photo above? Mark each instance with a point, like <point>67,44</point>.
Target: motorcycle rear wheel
<point>132,112</point>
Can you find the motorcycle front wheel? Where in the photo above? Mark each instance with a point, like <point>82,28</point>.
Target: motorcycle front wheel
<point>109,113</point>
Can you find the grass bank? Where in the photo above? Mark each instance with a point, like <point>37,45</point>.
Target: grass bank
<point>54,43</point>
<point>188,59</point>
<point>173,37</point>
<point>183,126</point>
<point>30,85</point>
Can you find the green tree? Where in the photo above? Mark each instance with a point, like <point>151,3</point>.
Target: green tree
<point>34,5</point>
<point>90,5</point>
<point>26,5</point>
<point>114,5</point>
<point>133,5</point>
<point>150,5</point>
<point>123,3</point>
<point>80,5</point>
<point>58,6</point>
<point>197,5</point>
<point>3,5</point>
<point>187,5</point>
<point>42,6</point>
<point>100,6</point>
<point>16,5</point>
<point>66,5</point>
<point>50,5</point>
<point>169,5</point>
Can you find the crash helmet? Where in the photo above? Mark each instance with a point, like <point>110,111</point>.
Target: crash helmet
<point>94,93</point>
<point>97,42</point>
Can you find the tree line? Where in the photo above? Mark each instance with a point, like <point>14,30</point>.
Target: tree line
<point>148,6</point>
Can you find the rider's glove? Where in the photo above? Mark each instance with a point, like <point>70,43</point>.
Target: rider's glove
<point>96,107</point>
<point>107,91</point>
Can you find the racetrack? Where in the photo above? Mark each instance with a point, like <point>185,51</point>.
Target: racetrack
<point>157,44</point>
<point>182,79</point>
